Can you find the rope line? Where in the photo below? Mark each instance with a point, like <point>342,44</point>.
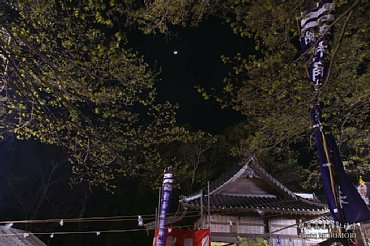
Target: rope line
<point>192,213</point>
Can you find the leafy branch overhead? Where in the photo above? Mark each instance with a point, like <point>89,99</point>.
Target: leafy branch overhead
<point>272,89</point>
<point>67,82</point>
<point>271,86</point>
<point>70,80</point>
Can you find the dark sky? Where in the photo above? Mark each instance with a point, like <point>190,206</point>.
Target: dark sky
<point>197,62</point>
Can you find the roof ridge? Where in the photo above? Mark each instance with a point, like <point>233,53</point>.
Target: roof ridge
<point>233,177</point>
<point>236,172</point>
<point>286,189</point>
<point>219,182</point>
<point>271,178</point>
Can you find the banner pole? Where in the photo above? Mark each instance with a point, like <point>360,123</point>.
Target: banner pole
<point>330,169</point>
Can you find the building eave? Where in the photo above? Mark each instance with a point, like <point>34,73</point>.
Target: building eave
<point>218,185</point>
<point>260,211</point>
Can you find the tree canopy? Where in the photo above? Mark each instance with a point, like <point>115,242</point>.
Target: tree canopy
<point>69,79</point>
<point>271,88</point>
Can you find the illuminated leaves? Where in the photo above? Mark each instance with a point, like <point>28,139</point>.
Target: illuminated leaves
<point>81,91</point>
<point>272,90</point>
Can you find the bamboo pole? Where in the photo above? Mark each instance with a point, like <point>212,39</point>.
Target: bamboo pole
<point>330,168</point>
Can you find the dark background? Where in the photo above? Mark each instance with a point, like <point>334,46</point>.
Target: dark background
<point>25,166</point>
<point>198,62</point>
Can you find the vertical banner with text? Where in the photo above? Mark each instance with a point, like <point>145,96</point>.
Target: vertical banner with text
<point>165,202</point>
<point>315,26</point>
<point>344,202</point>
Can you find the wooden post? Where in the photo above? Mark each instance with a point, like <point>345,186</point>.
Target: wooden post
<point>156,219</point>
<point>362,234</point>
<point>201,209</point>
<point>159,206</point>
<point>209,207</point>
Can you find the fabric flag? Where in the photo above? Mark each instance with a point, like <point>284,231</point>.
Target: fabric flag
<point>165,203</point>
<point>180,237</point>
<point>344,202</point>
<point>314,34</point>
<point>314,23</point>
<point>353,206</point>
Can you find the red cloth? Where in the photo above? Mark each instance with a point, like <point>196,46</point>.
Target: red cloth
<point>180,237</point>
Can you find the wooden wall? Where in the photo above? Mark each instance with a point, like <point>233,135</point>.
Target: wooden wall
<point>228,226</point>
<point>250,225</point>
<point>277,224</point>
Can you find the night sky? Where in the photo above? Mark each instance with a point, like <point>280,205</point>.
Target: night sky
<point>197,62</point>
<point>35,178</point>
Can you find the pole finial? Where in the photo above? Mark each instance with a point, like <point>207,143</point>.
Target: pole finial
<point>361,181</point>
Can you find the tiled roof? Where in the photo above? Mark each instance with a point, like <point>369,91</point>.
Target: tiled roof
<point>257,203</point>
<point>235,172</point>
<point>282,201</point>
<point>251,169</point>
<point>224,178</point>
<point>325,219</point>
<point>268,177</point>
<point>16,237</point>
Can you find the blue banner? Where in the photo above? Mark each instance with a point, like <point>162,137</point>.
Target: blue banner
<point>165,203</point>
<point>351,203</point>
<point>314,35</point>
<point>344,202</point>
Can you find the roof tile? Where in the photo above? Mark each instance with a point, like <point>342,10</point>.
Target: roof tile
<point>250,202</point>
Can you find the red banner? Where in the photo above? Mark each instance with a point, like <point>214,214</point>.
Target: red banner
<point>180,237</point>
